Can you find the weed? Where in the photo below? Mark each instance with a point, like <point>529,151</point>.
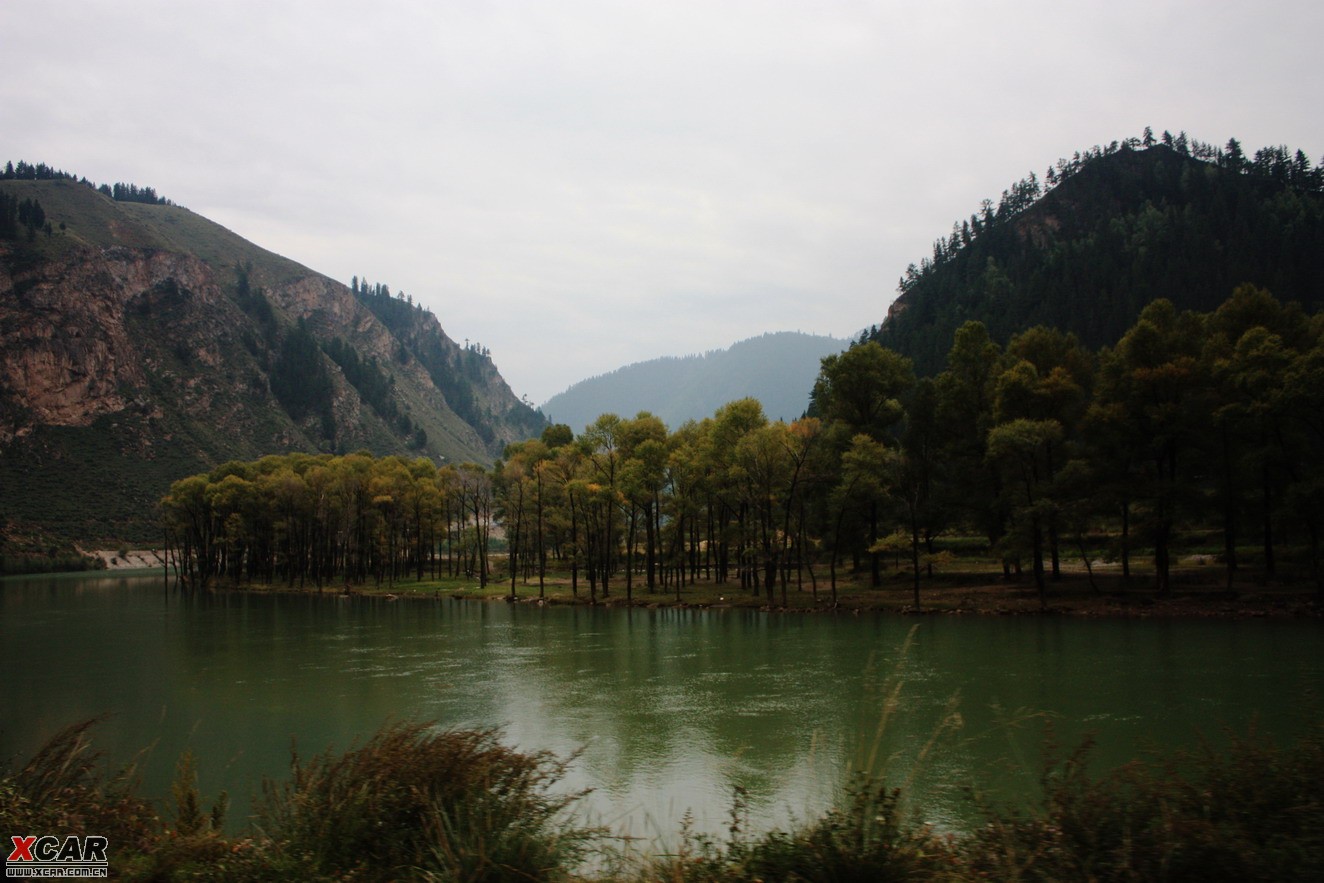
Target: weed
<point>416,801</point>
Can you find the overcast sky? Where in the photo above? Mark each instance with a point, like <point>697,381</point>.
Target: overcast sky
<point>579,185</point>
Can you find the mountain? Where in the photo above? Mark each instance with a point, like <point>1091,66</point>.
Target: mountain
<point>1113,230</point>
<point>777,369</point>
<point>140,342</point>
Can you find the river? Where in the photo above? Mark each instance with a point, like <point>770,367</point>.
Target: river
<point>667,711</point>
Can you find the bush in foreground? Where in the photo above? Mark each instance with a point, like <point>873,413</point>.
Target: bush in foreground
<point>417,802</point>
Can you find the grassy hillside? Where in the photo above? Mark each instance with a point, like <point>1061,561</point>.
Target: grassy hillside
<point>90,218</point>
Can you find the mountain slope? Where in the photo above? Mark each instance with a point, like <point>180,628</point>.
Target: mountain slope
<point>140,343</point>
<point>777,369</point>
<point>1122,226</point>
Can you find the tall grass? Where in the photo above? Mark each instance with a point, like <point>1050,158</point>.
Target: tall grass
<point>412,802</point>
<point>417,803</point>
<point>67,789</point>
<point>871,833</point>
<point>864,839</point>
<point>1252,811</point>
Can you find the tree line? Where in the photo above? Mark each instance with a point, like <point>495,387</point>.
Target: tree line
<point>120,191</point>
<point>1279,164</point>
<point>325,519</point>
<point>1195,423</point>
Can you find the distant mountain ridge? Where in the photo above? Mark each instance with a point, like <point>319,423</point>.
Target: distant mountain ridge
<point>1113,230</point>
<point>778,369</point>
<point>141,342</point>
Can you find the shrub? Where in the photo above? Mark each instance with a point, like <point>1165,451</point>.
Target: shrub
<point>1250,812</point>
<point>415,801</point>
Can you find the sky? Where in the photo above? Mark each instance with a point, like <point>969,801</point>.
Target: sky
<point>581,184</point>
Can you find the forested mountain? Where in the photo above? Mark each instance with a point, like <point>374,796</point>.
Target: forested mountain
<point>140,342</point>
<point>1110,231</point>
<point>777,369</point>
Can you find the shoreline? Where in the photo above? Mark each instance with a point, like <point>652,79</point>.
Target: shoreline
<point>1199,596</point>
<point>986,600</point>
<point>132,559</point>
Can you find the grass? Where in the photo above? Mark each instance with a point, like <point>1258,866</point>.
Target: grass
<point>93,219</point>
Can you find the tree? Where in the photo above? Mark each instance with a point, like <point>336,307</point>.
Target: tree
<point>969,487</point>
<point>868,469</point>
<point>476,490</point>
<point>602,445</point>
<point>512,477</point>
<point>729,523</point>
<point>1156,383</point>
<point>1023,448</point>
<point>565,469</point>
<point>761,470</point>
<point>644,474</point>
<point>1049,380</point>
<point>861,389</point>
<point>921,466</point>
<point>1233,156</point>
<point>1252,339</point>
<point>687,483</point>
<point>1302,404</point>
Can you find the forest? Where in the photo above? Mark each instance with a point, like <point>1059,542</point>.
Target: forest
<point>1084,247</point>
<point>1195,424</point>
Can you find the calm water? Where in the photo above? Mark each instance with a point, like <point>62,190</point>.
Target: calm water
<point>669,710</point>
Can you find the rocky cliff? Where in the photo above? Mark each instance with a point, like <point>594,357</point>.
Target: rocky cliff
<point>140,343</point>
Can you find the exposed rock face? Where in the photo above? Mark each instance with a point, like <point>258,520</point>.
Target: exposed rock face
<point>124,368</point>
<point>65,355</point>
<point>88,335</point>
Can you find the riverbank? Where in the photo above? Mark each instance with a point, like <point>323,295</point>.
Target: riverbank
<point>1199,592</point>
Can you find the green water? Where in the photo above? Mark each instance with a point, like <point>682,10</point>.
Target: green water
<point>669,710</point>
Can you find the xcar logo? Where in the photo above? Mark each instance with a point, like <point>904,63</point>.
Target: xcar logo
<point>48,856</point>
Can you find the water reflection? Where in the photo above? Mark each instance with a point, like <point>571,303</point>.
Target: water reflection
<point>667,710</point>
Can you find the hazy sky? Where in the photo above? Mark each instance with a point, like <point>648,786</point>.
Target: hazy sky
<point>578,185</point>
